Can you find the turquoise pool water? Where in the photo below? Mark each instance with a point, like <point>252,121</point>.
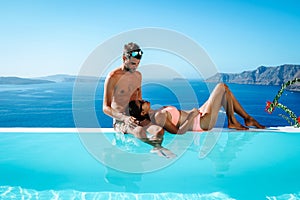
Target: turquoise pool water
<point>241,165</point>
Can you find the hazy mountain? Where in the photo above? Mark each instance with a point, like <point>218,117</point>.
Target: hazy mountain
<point>59,78</point>
<point>21,81</point>
<point>69,78</point>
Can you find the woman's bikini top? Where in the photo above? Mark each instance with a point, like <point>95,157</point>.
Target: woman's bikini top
<point>174,113</point>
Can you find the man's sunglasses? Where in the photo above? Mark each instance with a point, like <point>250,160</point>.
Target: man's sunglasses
<point>135,54</point>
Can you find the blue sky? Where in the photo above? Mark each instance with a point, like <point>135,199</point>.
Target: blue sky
<point>51,37</point>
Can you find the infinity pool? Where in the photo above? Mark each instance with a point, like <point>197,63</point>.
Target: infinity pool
<point>58,164</point>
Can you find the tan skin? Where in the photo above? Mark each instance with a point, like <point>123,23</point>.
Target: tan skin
<point>163,118</point>
<point>220,97</point>
<point>122,85</point>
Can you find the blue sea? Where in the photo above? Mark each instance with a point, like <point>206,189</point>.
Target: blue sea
<point>52,105</point>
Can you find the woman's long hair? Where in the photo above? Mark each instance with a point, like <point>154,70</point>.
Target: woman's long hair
<point>135,110</point>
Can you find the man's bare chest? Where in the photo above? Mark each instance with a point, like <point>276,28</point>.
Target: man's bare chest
<point>127,85</point>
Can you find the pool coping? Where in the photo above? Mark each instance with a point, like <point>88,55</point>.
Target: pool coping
<point>285,129</point>
<point>54,130</point>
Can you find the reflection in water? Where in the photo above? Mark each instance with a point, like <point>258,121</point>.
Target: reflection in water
<point>128,181</point>
<point>225,149</point>
<point>126,143</point>
<point>221,148</point>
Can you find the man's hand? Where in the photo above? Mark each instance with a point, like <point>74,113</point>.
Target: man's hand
<point>131,122</point>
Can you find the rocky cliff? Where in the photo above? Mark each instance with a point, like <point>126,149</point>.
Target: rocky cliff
<point>261,76</point>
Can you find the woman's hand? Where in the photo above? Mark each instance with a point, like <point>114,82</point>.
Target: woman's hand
<point>185,126</point>
<point>193,113</point>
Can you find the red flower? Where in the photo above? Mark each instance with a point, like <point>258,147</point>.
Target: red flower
<point>269,107</point>
<point>268,104</point>
<point>298,119</point>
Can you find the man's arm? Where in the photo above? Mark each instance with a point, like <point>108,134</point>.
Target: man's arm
<point>109,87</point>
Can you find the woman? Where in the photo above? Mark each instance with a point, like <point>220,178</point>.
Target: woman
<point>179,121</point>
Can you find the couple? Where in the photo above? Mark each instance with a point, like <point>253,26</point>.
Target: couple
<point>123,85</point>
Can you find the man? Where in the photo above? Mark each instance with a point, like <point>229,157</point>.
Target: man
<point>123,85</point>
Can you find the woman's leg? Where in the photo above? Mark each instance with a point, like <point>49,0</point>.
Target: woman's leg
<point>222,96</point>
<point>230,107</point>
<point>249,121</point>
<point>210,109</point>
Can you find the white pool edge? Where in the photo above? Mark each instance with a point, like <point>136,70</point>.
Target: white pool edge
<point>285,129</point>
<point>54,130</point>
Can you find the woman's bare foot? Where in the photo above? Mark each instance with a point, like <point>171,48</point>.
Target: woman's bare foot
<point>252,122</point>
<point>237,126</point>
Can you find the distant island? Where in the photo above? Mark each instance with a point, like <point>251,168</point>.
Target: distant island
<point>59,78</point>
<point>261,76</point>
<point>21,81</point>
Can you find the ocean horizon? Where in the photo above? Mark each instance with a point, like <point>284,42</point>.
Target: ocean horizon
<point>52,104</point>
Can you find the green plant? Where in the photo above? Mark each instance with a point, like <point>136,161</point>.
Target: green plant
<point>272,105</point>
